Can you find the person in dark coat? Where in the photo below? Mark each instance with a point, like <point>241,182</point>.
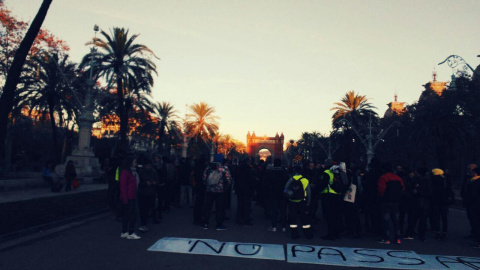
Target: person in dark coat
<point>146,194</point>
<point>70,175</point>
<point>441,197</point>
<point>472,202</point>
<point>276,178</point>
<point>244,183</point>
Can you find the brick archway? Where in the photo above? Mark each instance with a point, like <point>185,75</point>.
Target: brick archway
<point>272,144</point>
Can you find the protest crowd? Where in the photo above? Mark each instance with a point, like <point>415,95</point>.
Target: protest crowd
<point>385,201</point>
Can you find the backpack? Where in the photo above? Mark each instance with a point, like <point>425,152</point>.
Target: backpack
<point>296,186</point>
<point>338,184</point>
<point>214,177</point>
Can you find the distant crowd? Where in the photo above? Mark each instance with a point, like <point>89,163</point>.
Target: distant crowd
<point>384,201</point>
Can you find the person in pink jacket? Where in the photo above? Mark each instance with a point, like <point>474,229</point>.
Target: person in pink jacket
<point>128,195</point>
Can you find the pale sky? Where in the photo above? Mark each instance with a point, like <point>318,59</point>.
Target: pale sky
<point>278,66</point>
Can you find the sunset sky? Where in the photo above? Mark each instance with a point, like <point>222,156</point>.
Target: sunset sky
<point>278,66</point>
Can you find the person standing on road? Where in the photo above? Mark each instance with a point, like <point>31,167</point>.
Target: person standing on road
<point>472,202</point>
<point>216,179</point>
<point>70,175</point>
<point>244,188</point>
<point>299,203</point>
<point>276,178</point>
<point>442,196</point>
<point>128,195</point>
<point>390,189</point>
<point>146,194</point>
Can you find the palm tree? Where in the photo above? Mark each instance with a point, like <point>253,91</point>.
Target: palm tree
<point>167,115</point>
<point>201,121</point>
<point>8,92</point>
<point>353,107</point>
<point>49,89</point>
<point>127,66</point>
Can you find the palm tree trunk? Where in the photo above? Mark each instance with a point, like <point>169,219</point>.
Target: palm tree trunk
<point>54,132</point>
<point>122,115</point>
<point>13,77</point>
<point>161,135</point>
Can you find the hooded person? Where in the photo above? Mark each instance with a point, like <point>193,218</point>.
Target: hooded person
<point>332,201</point>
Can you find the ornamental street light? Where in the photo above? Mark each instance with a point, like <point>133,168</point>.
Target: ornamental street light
<point>83,157</point>
<point>368,140</point>
<point>459,67</point>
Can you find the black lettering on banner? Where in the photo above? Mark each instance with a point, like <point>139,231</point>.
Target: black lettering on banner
<point>470,262</point>
<point>420,261</point>
<point>380,259</point>
<point>252,245</point>
<point>337,253</point>
<point>447,260</point>
<point>208,245</point>
<point>295,250</point>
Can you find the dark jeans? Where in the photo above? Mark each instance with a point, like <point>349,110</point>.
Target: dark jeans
<point>162,202</point>
<point>352,218</point>
<point>219,200</point>
<point>278,208</point>
<point>146,206</point>
<point>439,217</point>
<point>391,225</point>
<point>474,217</point>
<point>199,206</point>
<point>243,208</point>
<point>297,212</point>
<point>129,216</point>
<point>418,214</point>
<point>313,205</point>
<point>332,205</point>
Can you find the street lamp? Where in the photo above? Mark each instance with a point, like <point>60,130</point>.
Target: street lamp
<point>83,156</point>
<point>368,141</point>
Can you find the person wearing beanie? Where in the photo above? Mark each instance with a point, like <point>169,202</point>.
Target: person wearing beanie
<point>441,197</point>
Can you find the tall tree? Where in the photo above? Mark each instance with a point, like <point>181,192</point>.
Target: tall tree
<point>127,66</point>
<point>48,88</point>
<point>14,72</point>
<point>201,121</point>
<point>353,107</point>
<point>167,114</point>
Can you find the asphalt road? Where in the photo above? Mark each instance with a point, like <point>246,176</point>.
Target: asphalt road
<point>96,244</point>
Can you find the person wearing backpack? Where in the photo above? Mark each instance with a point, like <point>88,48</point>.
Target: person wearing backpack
<point>332,200</point>
<point>217,180</point>
<point>390,189</point>
<point>298,188</point>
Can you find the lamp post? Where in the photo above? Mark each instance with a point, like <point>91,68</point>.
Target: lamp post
<point>459,66</point>
<point>368,140</point>
<point>83,157</point>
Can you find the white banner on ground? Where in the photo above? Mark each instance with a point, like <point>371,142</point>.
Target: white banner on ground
<point>451,262</point>
<point>214,247</point>
<point>354,257</point>
<point>326,255</point>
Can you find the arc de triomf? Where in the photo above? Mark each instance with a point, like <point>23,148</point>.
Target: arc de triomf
<point>272,144</point>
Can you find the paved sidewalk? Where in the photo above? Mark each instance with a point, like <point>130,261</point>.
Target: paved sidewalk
<point>43,192</point>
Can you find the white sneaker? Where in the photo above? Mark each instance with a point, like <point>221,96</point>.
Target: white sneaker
<point>133,236</point>
<point>143,228</point>
<point>284,229</point>
<point>124,235</point>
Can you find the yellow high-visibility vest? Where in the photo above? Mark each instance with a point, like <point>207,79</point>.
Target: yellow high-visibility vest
<point>328,189</point>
